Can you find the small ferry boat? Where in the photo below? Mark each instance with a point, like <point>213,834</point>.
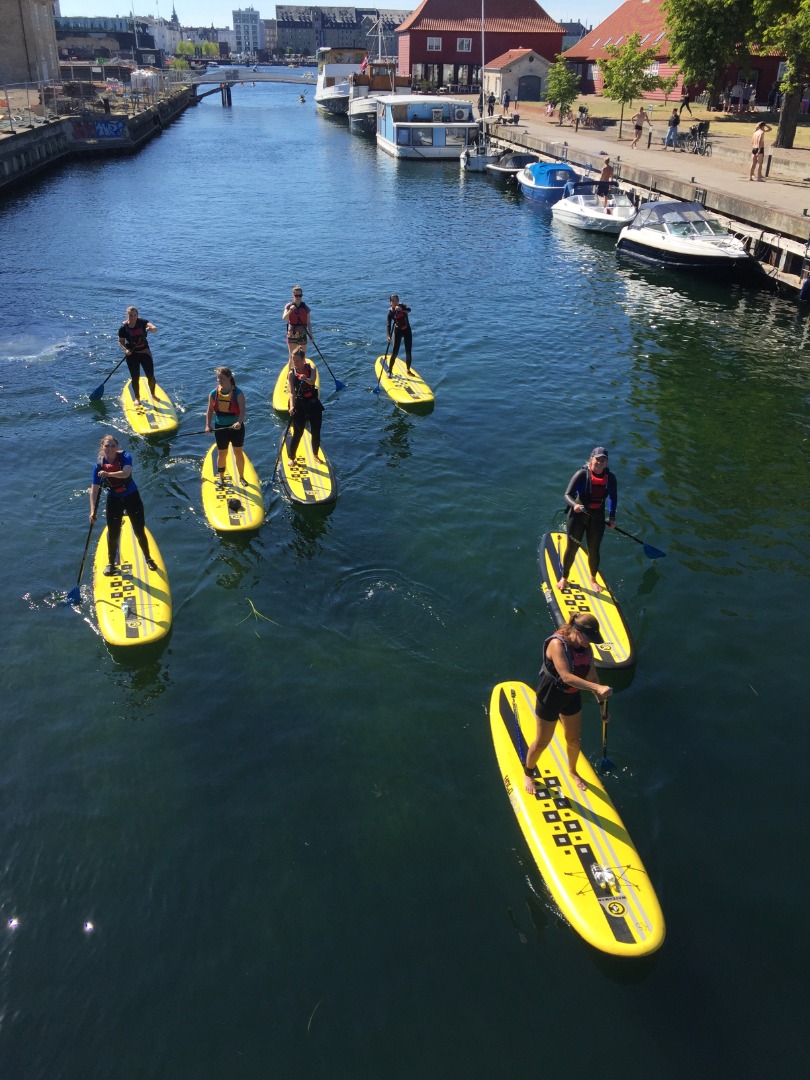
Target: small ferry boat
<point>365,87</point>
<point>425,127</point>
<point>683,235</point>
<point>334,68</point>
<point>581,207</point>
<point>544,182</point>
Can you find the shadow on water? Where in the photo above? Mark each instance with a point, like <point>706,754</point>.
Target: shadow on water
<point>143,672</point>
<point>394,442</point>
<point>309,523</point>
<point>238,557</point>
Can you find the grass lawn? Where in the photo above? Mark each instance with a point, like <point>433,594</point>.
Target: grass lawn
<point>722,125</point>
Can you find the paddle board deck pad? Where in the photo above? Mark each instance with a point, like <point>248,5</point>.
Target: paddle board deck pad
<point>156,415</point>
<point>618,649</point>
<point>281,397</point>
<point>577,838</point>
<point>306,480</point>
<point>134,605</point>
<point>409,391</point>
<point>238,506</point>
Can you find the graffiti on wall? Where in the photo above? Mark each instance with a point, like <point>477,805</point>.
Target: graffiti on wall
<point>98,129</point>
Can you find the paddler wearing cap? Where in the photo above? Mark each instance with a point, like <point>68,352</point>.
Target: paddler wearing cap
<point>567,668</point>
<point>591,487</point>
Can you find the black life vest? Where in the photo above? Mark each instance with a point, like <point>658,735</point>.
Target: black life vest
<point>579,663</point>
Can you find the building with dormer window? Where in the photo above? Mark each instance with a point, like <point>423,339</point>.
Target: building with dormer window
<point>440,43</point>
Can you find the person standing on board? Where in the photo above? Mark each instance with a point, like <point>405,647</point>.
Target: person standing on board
<point>132,339</point>
<point>603,183</point>
<point>399,323</point>
<point>639,120</point>
<point>113,470</point>
<point>758,150</point>
<point>299,324</point>
<point>226,407</point>
<point>304,403</point>
<point>591,487</point>
<point>566,669</point>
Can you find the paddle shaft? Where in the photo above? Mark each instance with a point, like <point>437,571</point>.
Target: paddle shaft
<point>99,390</point>
<point>87,541</point>
<point>383,367</point>
<point>650,551</point>
<point>281,448</point>
<point>606,763</point>
<point>338,384</point>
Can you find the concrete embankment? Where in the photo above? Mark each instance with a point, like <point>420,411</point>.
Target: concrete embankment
<point>772,217</point>
<point>27,152</point>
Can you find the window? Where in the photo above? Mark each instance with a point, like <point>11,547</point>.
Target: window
<point>464,44</point>
<point>422,136</point>
<point>593,72</point>
<point>618,40</point>
<point>434,44</point>
<point>644,39</point>
<point>663,34</point>
<point>652,69</point>
<point>607,42</point>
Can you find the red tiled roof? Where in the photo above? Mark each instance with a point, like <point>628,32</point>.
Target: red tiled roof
<point>500,16</point>
<point>507,58</point>
<point>644,17</point>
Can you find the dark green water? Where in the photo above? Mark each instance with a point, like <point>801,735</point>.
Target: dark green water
<point>290,835</point>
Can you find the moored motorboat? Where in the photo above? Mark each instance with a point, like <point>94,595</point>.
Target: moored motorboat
<point>581,207</point>
<point>545,181</point>
<point>509,165</point>
<point>424,127</point>
<point>684,236</point>
<point>379,78</point>
<point>334,68</point>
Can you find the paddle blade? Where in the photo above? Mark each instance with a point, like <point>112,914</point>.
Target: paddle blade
<point>339,385</point>
<point>653,552</point>
<point>74,596</point>
<point>97,393</point>
<point>606,765</point>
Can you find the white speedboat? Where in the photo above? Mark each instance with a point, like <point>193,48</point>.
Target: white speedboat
<point>424,127</point>
<point>682,235</point>
<point>581,207</point>
<point>509,165</point>
<point>334,68</point>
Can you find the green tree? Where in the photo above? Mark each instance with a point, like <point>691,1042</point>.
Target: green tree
<point>784,26</point>
<point>706,37</point>
<point>626,75</point>
<point>210,49</point>
<point>668,85</point>
<point>177,63</point>
<point>184,48</point>
<point>562,85</point>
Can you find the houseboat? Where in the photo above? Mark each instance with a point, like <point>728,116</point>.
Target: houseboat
<point>424,127</point>
<point>334,68</point>
<point>379,78</point>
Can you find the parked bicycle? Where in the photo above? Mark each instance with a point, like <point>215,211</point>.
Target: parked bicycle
<point>697,141</point>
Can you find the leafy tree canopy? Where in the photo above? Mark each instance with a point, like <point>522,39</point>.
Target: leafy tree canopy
<point>562,85</point>
<point>706,36</point>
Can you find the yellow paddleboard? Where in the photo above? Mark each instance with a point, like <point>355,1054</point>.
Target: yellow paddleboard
<point>156,415</point>
<point>409,391</point>
<point>238,506</point>
<point>306,480</point>
<point>281,396</point>
<point>577,838</point>
<point>148,613</point>
<point>618,649</point>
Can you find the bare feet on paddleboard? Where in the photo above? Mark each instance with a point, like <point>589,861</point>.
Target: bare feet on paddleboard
<point>562,584</point>
<point>529,785</point>
<point>595,585</point>
<point>580,783</point>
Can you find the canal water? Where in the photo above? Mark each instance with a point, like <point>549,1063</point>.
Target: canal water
<point>286,824</point>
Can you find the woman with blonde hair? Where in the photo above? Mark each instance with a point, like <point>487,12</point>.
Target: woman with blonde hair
<point>226,408</point>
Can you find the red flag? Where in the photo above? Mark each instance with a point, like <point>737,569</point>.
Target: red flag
<point>364,65</point>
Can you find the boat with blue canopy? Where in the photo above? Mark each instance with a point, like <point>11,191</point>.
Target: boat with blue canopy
<point>545,181</point>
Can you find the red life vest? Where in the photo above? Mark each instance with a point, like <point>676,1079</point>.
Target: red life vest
<point>303,390</point>
<point>597,490</point>
<point>400,317</point>
<point>297,315</point>
<point>119,485</point>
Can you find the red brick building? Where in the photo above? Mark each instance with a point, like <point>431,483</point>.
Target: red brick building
<point>646,18</point>
<point>441,41</point>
